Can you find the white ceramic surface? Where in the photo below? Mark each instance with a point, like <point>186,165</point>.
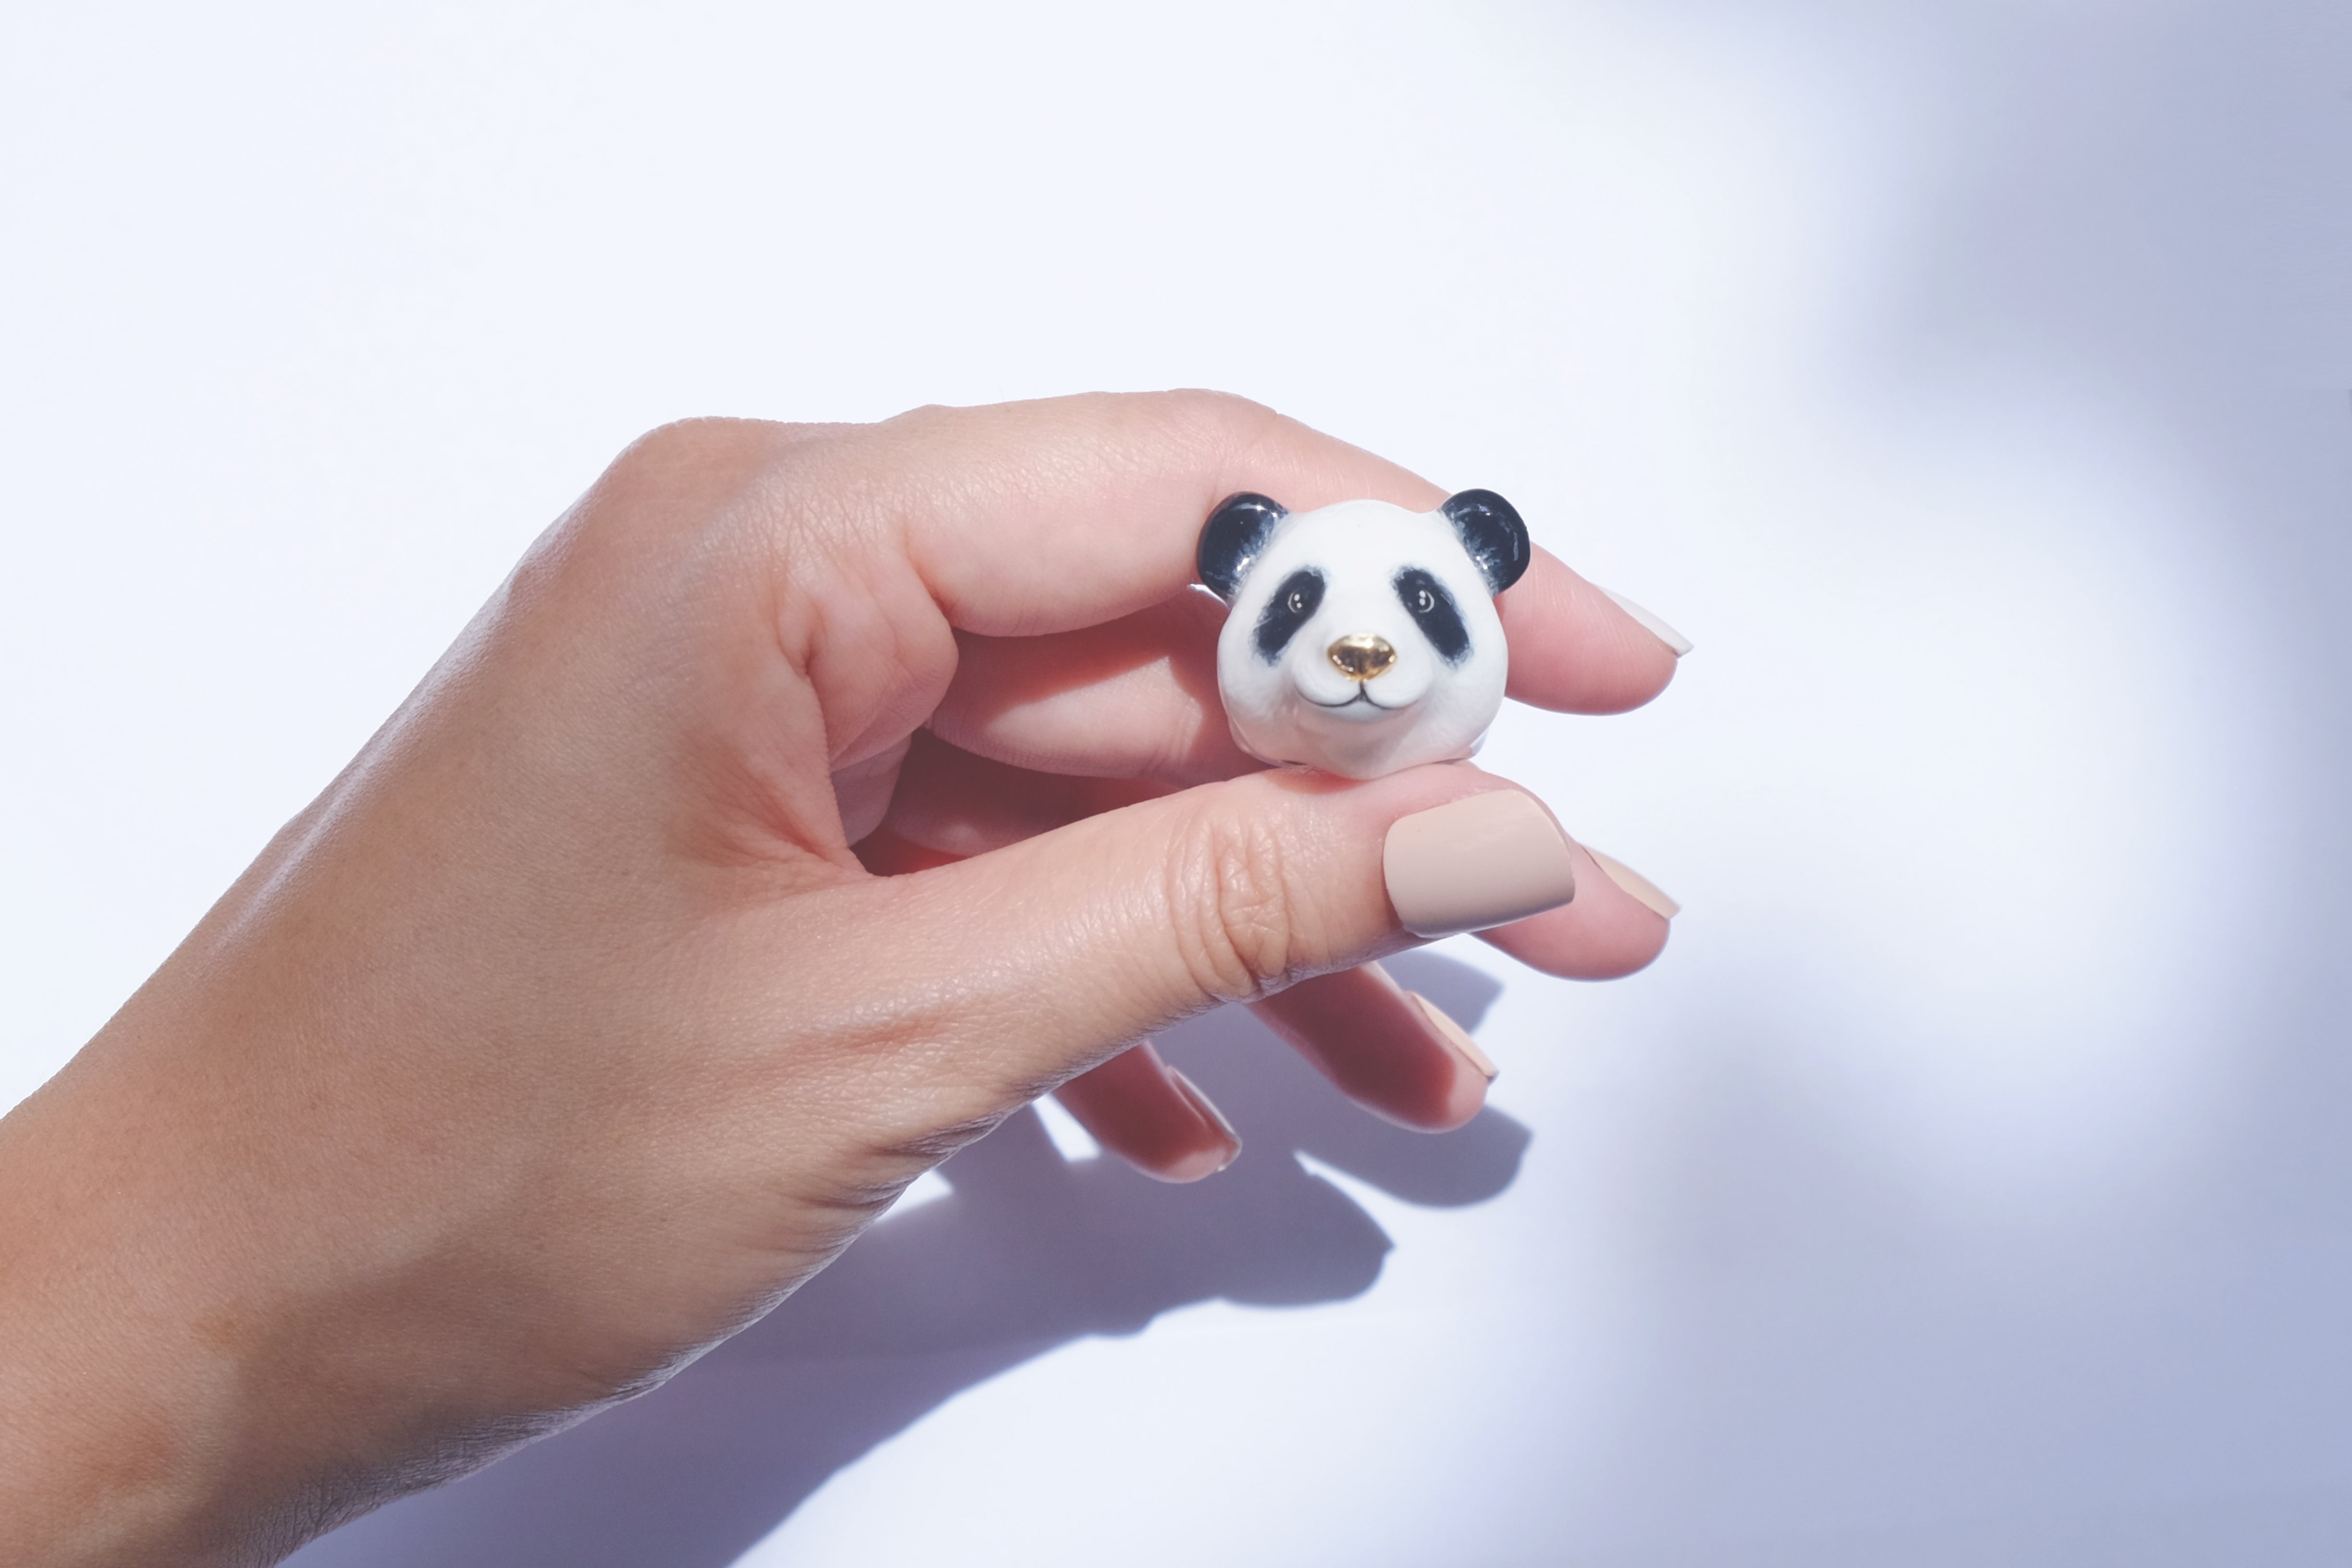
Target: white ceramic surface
<point>1293,703</point>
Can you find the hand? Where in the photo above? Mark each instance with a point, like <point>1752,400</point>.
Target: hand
<point>566,1032</point>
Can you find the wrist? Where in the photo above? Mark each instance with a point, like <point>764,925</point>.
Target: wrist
<point>133,1365</point>
<point>98,1455</point>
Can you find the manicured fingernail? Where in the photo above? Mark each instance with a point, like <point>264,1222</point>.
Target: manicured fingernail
<point>1483,860</point>
<point>1645,892</point>
<point>1209,1113</point>
<point>1455,1035</point>
<point>1651,623</point>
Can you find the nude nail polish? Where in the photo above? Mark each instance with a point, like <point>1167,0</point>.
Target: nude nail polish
<point>1483,860</point>
<point>1645,892</point>
<point>1455,1035</point>
<point>1210,1114</point>
<point>1651,623</point>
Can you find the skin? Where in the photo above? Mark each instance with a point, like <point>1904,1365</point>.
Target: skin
<point>573,1026</point>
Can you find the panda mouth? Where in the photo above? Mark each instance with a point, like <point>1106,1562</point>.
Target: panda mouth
<point>1363,695</point>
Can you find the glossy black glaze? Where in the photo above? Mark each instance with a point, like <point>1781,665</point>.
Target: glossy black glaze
<point>1300,595</point>
<point>1433,610</point>
<point>1491,531</point>
<point>1231,539</point>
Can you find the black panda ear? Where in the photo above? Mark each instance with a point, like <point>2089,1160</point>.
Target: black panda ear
<point>1233,537</point>
<point>1490,530</point>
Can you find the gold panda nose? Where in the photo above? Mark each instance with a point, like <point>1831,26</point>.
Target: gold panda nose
<point>1359,656</point>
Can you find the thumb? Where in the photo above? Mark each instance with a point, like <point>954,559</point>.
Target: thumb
<point>1011,972</point>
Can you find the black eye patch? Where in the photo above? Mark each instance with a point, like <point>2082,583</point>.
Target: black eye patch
<point>1433,610</point>
<point>1290,608</point>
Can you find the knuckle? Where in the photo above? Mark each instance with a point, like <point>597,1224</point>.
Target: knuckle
<point>686,445</point>
<point>704,437</point>
<point>673,482</point>
<point>1207,405</point>
<point>1239,909</point>
<point>1224,407</point>
<point>685,505</point>
<point>1219,424</point>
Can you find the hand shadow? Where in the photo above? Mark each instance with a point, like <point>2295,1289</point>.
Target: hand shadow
<point>1028,1252</point>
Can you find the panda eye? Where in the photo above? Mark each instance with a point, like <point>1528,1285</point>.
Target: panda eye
<point>1287,608</point>
<point>1434,612</point>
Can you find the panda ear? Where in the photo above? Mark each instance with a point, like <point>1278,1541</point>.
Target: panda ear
<point>1233,538</point>
<point>1490,530</point>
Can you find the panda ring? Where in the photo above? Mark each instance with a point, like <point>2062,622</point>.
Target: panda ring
<point>1361,637</point>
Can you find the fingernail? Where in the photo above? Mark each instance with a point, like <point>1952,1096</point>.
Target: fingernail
<point>1651,623</point>
<point>1210,1114</point>
<point>1645,892</point>
<point>1454,1035</point>
<point>1483,860</point>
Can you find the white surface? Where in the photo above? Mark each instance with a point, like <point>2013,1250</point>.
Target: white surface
<point>1967,1183</point>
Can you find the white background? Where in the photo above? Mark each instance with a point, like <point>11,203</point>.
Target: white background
<point>1971,1181</point>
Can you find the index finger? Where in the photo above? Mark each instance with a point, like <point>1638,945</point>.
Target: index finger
<point>1032,518</point>
<point>1026,518</point>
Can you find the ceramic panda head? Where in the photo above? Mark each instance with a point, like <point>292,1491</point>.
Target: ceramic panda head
<point>1361,637</point>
